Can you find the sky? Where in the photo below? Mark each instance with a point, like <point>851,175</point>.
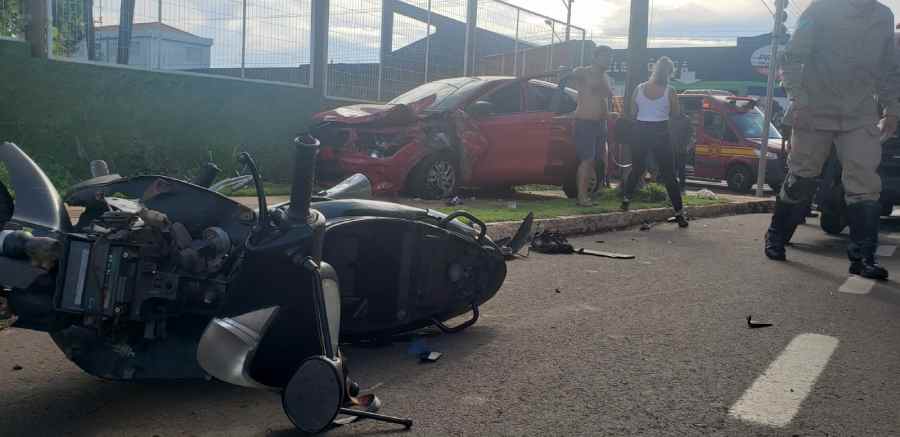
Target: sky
<point>675,22</point>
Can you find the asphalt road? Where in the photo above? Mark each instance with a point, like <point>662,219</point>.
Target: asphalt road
<point>653,346</point>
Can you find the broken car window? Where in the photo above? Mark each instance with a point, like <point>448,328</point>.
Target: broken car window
<point>449,92</point>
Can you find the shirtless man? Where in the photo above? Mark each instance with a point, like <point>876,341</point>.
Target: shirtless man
<point>591,115</point>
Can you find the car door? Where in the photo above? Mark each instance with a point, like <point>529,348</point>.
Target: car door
<point>550,135</point>
<point>512,142</point>
<point>708,152</point>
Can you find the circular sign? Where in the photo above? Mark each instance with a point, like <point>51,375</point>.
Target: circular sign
<point>761,59</point>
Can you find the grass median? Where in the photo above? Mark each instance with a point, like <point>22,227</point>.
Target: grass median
<point>651,196</point>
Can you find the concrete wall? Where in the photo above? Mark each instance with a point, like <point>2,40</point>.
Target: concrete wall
<point>67,113</point>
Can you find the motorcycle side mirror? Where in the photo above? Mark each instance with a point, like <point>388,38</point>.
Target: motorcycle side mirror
<point>480,109</point>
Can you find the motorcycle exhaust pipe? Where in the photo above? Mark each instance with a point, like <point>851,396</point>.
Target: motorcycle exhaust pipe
<point>306,150</point>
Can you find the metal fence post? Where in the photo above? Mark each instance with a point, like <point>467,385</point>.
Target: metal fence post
<point>159,19</point>
<point>243,38</point>
<point>471,31</point>
<point>385,42</point>
<point>550,48</point>
<point>583,46</point>
<point>516,52</point>
<point>49,28</point>
<point>319,30</point>
<point>428,45</point>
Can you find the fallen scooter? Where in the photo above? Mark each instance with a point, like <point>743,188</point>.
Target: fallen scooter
<point>162,279</point>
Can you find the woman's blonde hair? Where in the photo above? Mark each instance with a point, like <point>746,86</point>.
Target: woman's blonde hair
<point>663,63</point>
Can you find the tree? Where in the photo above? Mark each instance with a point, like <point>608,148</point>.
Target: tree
<point>12,18</point>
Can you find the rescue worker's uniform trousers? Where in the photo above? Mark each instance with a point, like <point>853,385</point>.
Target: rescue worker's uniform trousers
<point>859,151</point>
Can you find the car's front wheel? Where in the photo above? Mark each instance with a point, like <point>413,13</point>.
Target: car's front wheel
<point>436,177</point>
<point>740,179</point>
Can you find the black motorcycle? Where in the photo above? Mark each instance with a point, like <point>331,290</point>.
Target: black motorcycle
<point>163,279</point>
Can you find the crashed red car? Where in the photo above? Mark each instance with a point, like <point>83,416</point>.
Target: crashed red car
<point>487,132</point>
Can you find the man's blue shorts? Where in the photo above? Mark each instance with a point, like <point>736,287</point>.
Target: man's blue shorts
<point>590,138</point>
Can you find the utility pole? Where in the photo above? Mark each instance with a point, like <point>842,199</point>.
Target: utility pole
<point>638,33</point>
<point>569,19</point>
<point>779,31</point>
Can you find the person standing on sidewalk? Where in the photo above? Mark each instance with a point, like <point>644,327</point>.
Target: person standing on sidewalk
<point>591,115</point>
<point>655,103</point>
<point>841,57</point>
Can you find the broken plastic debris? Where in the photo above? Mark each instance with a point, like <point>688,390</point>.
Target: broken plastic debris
<point>605,254</point>
<point>430,357</point>
<point>754,324</point>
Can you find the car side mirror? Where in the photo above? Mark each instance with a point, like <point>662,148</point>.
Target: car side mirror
<point>480,109</point>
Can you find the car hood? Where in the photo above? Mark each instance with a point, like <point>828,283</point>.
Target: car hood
<point>370,113</point>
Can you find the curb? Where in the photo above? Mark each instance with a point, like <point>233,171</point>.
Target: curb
<point>599,223</point>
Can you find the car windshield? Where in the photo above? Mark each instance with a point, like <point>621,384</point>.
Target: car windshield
<point>449,92</point>
<point>750,124</point>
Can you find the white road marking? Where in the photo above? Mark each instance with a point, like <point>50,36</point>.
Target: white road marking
<point>775,397</point>
<point>857,285</point>
<point>886,250</point>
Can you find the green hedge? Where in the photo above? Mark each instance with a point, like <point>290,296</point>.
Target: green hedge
<point>65,114</point>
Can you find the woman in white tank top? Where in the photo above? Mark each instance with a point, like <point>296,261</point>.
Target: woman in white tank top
<point>654,103</point>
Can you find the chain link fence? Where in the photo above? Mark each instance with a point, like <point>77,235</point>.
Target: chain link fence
<point>253,39</point>
<point>380,49</point>
<point>376,49</point>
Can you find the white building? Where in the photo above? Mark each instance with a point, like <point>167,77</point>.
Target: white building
<point>154,46</point>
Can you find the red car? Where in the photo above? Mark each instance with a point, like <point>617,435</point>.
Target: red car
<point>487,132</point>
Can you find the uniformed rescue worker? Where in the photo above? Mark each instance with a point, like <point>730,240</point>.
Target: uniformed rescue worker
<point>591,115</point>
<point>840,59</point>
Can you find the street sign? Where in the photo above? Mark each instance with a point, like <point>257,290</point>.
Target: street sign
<point>761,59</point>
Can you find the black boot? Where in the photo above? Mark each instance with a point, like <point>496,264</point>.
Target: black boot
<point>865,218</point>
<point>784,222</point>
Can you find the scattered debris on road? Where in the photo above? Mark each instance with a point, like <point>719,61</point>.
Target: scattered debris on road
<point>558,291</point>
<point>430,357</point>
<point>754,324</point>
<point>17,367</point>
<point>646,226</point>
<point>551,243</point>
<point>510,247</point>
<point>605,254</point>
